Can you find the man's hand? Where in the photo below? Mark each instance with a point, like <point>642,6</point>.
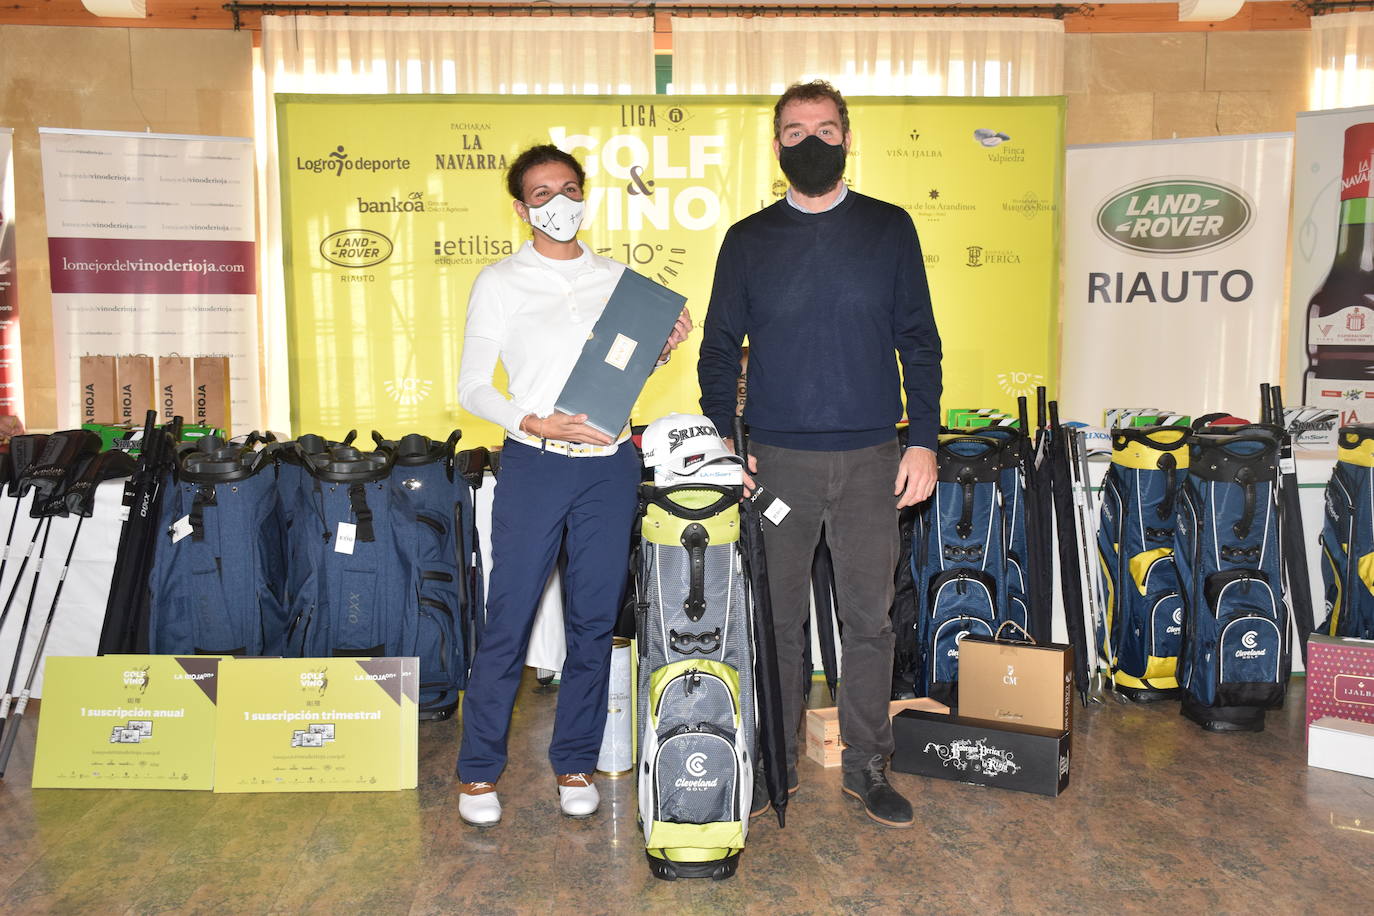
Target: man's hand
<point>564,427</point>
<point>915,477</point>
<point>681,329</point>
<point>752,469</point>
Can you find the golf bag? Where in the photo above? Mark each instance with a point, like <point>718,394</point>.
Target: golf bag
<point>217,585</point>
<point>1235,660</point>
<point>1141,632</point>
<point>959,564</point>
<point>696,682</point>
<point>1347,538</point>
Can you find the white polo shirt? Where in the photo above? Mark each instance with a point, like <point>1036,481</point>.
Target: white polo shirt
<point>533,314</point>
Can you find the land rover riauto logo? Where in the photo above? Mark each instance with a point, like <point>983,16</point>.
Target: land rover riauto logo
<point>696,764</point>
<point>355,248</point>
<point>1250,640</point>
<point>1173,217</point>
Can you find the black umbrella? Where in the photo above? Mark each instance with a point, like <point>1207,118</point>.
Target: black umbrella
<point>827,601</point>
<point>767,681</point>
<point>126,612</point>
<point>1291,536</point>
<point>1035,467</point>
<point>903,612</point>
<point>1066,529</point>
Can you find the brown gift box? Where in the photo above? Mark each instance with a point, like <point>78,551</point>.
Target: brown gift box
<point>135,399</point>
<point>823,743</point>
<point>212,391</point>
<point>98,389</point>
<point>1016,683</point>
<point>175,394</point>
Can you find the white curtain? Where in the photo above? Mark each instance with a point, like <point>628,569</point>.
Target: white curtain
<point>504,55</point>
<point>976,56</point>
<point>1342,60</point>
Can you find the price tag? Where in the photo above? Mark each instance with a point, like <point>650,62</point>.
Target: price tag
<point>770,506</point>
<point>180,528</point>
<point>348,533</point>
<point>1288,465</point>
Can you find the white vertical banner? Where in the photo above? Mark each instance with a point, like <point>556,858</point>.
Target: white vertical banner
<point>11,371</point>
<point>1174,274</point>
<point>151,241</point>
<point>1331,287</point>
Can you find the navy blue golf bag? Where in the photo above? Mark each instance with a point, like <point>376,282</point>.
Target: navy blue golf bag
<point>1141,633</point>
<point>959,563</point>
<point>1235,660</point>
<point>1347,538</point>
<point>217,585</point>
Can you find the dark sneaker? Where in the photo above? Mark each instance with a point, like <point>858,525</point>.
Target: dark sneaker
<point>881,802</point>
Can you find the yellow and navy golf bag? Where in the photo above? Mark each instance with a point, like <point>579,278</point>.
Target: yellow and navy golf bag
<point>1142,630</point>
<point>696,711</point>
<point>1347,538</point>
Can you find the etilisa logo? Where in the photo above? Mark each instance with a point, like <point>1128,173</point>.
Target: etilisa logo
<point>408,390</point>
<point>1174,216</point>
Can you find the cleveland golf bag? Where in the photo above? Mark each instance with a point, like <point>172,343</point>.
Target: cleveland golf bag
<point>1141,632</point>
<point>1347,538</point>
<point>217,585</point>
<point>959,559</point>
<point>696,682</point>
<point>1235,660</point>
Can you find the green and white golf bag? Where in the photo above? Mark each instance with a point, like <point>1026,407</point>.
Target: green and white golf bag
<point>696,710</point>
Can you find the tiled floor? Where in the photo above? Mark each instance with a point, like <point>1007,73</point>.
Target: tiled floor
<point>1159,817</point>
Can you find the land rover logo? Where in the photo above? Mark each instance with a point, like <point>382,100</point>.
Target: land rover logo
<point>355,248</point>
<point>1173,217</point>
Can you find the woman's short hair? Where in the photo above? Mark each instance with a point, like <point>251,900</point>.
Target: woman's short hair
<point>538,155</point>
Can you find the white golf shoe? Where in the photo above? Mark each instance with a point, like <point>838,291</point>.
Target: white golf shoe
<point>478,804</point>
<point>577,796</point>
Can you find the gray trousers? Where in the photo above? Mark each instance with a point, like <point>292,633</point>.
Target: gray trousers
<point>850,492</point>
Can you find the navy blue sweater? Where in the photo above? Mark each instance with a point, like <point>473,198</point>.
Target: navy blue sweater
<point>829,302</point>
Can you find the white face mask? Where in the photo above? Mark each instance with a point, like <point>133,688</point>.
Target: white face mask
<point>559,217</point>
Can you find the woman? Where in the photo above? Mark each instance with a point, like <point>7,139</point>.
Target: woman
<point>533,311</point>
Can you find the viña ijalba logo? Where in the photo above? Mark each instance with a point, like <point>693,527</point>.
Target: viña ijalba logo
<point>1174,216</point>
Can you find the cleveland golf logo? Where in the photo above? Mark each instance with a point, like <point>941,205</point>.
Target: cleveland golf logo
<point>1251,643</point>
<point>1174,217</point>
<point>696,767</point>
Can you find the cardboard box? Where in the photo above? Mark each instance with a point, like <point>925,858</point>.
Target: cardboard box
<point>823,743</point>
<point>212,392</point>
<point>175,394</point>
<point>98,389</point>
<point>1340,679</point>
<point>1341,745</point>
<point>980,752</point>
<point>135,398</point>
<point>1017,683</point>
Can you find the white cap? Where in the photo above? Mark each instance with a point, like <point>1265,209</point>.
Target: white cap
<point>683,443</point>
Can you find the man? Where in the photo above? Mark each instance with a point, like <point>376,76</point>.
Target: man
<point>828,285</point>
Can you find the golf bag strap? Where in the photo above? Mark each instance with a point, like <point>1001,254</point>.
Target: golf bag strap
<point>695,538</point>
<point>205,496</point>
<point>357,501</point>
<point>1168,463</point>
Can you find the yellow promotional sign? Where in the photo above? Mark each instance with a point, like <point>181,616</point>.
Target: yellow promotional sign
<point>392,204</point>
<point>317,725</point>
<point>127,722</point>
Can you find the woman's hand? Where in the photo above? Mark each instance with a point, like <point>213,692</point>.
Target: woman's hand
<point>681,329</point>
<point>565,428</point>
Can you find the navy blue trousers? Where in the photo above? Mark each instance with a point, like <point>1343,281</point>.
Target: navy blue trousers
<point>539,496</point>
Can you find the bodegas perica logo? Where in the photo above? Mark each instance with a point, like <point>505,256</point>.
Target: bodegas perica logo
<point>1174,216</point>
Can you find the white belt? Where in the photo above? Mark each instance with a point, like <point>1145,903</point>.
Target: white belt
<point>571,449</point>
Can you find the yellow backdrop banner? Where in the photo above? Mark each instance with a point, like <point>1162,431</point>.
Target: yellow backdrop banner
<point>392,204</point>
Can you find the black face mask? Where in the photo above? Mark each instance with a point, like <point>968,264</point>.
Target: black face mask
<point>812,166</point>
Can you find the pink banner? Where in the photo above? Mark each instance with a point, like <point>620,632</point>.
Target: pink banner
<point>152,266</point>
<point>11,389</point>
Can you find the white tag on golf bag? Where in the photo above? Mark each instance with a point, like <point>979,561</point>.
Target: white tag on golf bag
<point>180,528</point>
<point>348,533</point>
<point>772,508</point>
<point>1288,465</point>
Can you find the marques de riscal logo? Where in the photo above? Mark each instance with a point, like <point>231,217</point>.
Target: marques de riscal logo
<point>355,248</point>
<point>1174,216</point>
<point>340,160</point>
